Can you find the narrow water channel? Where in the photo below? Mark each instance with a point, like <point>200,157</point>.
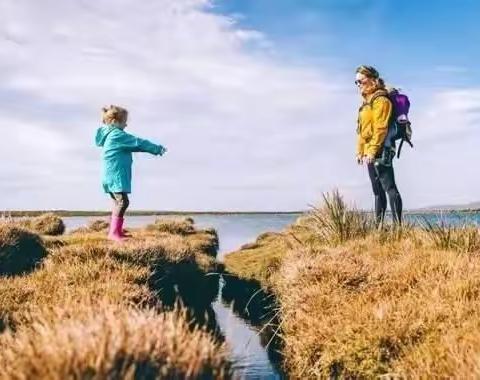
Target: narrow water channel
<point>252,360</point>
<point>240,328</point>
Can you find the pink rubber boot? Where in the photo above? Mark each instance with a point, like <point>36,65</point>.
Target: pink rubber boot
<point>115,229</point>
<point>123,234</point>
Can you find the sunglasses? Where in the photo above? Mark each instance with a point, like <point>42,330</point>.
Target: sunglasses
<point>358,82</point>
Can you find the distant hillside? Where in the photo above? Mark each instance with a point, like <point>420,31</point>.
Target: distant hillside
<point>462,207</point>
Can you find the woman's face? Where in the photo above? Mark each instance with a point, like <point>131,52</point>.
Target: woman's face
<point>364,83</point>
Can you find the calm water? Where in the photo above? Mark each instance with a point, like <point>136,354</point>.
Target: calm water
<point>250,357</point>
<point>450,218</point>
<point>236,230</point>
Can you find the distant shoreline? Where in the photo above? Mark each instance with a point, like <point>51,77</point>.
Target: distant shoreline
<point>77,213</point>
<point>66,213</point>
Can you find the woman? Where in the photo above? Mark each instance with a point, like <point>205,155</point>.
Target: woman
<point>374,118</point>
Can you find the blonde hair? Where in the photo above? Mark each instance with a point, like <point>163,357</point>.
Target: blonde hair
<point>372,73</point>
<point>114,114</point>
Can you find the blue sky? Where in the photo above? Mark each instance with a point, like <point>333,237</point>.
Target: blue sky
<point>254,99</point>
<point>433,43</point>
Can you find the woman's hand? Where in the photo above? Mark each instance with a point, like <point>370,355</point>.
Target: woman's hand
<point>360,159</point>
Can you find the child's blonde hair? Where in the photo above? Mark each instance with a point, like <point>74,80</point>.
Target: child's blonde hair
<point>114,114</point>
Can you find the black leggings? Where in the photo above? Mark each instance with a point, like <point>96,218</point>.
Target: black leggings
<point>383,182</point>
<point>121,203</point>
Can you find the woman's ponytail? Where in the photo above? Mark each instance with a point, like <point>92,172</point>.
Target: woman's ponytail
<point>380,83</point>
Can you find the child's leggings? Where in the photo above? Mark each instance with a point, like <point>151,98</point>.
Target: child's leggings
<point>121,203</point>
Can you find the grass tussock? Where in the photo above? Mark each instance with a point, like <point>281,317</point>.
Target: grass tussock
<point>177,226</point>
<point>52,316</point>
<point>109,341</point>
<point>258,260</point>
<point>20,250</point>
<point>261,259</point>
<point>335,222</point>
<point>46,224</point>
<point>97,225</point>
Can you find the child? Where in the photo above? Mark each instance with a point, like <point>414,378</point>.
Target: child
<point>117,162</point>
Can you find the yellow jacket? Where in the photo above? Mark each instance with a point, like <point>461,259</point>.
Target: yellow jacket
<point>373,121</point>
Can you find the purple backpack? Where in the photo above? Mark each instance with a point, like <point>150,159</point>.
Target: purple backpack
<point>400,127</point>
<point>401,103</point>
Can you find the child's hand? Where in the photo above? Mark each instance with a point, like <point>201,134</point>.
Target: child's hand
<point>163,150</point>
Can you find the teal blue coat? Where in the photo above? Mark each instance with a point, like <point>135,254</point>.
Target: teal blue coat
<point>118,147</point>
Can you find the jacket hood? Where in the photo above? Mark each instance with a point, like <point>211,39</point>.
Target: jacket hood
<point>102,134</point>
<point>374,94</point>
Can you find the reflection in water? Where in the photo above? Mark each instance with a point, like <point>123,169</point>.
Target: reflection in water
<point>242,310</point>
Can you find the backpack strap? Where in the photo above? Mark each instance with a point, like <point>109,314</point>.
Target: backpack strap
<point>400,148</point>
<point>378,94</point>
<point>401,144</point>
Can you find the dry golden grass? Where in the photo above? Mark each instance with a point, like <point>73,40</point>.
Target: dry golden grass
<point>74,275</point>
<point>259,260</point>
<point>97,225</point>
<point>180,226</point>
<point>463,238</point>
<point>335,222</point>
<point>110,341</point>
<point>366,309</point>
<point>400,303</point>
<point>53,314</point>
<point>90,267</point>
<point>46,224</point>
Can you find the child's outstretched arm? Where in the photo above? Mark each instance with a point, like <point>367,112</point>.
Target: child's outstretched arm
<point>136,144</point>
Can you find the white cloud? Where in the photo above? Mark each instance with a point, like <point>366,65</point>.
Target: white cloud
<point>244,130</point>
<point>450,112</point>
